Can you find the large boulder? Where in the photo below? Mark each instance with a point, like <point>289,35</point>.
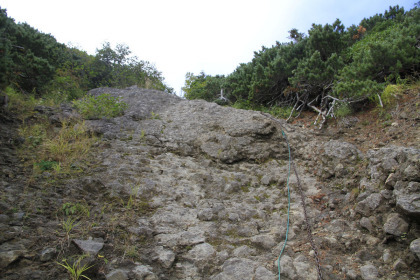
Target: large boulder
<point>194,127</point>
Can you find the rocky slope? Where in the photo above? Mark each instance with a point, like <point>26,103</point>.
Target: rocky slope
<point>191,190</point>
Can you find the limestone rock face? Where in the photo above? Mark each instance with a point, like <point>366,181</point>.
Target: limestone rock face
<point>180,189</point>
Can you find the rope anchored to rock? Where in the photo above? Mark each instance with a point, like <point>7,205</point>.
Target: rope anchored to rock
<point>302,197</point>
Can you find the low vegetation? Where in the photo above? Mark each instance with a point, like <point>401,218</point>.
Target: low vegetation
<point>57,150</point>
<point>76,269</point>
<point>101,106</point>
<point>34,62</point>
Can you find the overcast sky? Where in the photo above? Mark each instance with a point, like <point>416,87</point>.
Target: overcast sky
<point>181,36</point>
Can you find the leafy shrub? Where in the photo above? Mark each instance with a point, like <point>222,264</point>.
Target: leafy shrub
<point>56,151</point>
<point>70,208</point>
<point>21,104</point>
<point>46,165</point>
<point>242,104</point>
<point>101,106</point>
<point>383,56</point>
<point>343,110</point>
<point>281,112</point>
<point>390,94</point>
<point>71,143</point>
<point>76,269</point>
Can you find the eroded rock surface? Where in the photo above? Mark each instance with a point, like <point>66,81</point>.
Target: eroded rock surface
<point>210,187</point>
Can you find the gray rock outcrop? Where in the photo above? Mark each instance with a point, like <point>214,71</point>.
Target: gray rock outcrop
<point>192,190</point>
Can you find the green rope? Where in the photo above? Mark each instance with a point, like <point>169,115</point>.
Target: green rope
<point>288,207</point>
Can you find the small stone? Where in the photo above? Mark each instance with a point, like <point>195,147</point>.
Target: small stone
<point>369,272</point>
<point>4,218</point>
<point>262,273</point>
<point>222,256</point>
<point>415,247</point>
<point>234,217</point>
<point>312,253</point>
<point>389,165</point>
<point>141,231</point>
<point>164,256</point>
<point>243,251</point>
<point>267,180</point>
<point>365,222</point>
<point>90,246</point>
<point>352,274</point>
<point>395,225</point>
<point>118,274</point>
<point>411,173</point>
<point>238,268</point>
<point>387,258</point>
<point>371,240</point>
<point>18,215</point>
<point>391,180</point>
<point>408,198</point>
<point>205,214</point>
<point>9,253</point>
<point>264,241</point>
<point>339,170</point>
<point>286,267</point>
<point>369,204</point>
<point>399,265</point>
<point>142,272</point>
<point>387,194</point>
<point>47,254</point>
<point>303,269</point>
<point>201,252</point>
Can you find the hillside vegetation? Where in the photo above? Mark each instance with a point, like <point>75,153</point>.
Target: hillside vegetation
<point>333,70</point>
<point>34,62</point>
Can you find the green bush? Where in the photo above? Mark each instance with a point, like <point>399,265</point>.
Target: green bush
<point>390,94</point>
<point>343,110</point>
<point>101,106</point>
<point>281,112</point>
<point>46,165</point>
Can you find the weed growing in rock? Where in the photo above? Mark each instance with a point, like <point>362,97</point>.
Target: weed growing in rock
<point>47,148</point>
<point>133,194</point>
<point>76,270</point>
<point>101,106</point>
<point>70,208</point>
<point>155,116</point>
<point>21,104</point>
<point>131,251</point>
<point>71,142</point>
<point>68,226</point>
<point>46,165</point>
<point>34,134</point>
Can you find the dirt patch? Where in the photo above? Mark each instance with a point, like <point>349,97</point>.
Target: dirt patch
<point>375,127</point>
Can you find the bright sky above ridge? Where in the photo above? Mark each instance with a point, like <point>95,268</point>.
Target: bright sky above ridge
<point>187,35</point>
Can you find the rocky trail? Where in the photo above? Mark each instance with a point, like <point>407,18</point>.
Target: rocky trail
<point>179,189</point>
